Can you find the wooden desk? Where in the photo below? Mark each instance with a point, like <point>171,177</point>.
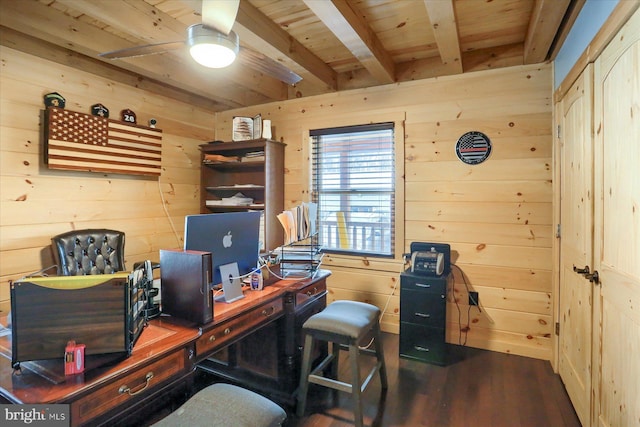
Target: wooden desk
<point>267,360</point>
<point>163,361</point>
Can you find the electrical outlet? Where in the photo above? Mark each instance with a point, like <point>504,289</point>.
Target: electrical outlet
<point>474,298</point>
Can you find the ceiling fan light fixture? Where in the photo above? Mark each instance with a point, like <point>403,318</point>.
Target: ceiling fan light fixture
<point>211,48</point>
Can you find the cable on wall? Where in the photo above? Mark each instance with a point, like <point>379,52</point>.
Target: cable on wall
<point>477,304</point>
<point>166,211</point>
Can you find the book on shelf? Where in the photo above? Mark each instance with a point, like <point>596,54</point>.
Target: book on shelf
<point>254,156</point>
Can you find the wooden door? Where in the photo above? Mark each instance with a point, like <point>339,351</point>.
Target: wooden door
<point>576,248</point>
<point>617,224</point>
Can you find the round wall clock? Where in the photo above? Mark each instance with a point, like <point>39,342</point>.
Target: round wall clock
<point>473,147</point>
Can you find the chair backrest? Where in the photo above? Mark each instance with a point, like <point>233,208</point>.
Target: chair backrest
<point>90,251</point>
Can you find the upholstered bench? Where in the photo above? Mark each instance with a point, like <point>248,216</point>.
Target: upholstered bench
<point>343,323</point>
<point>225,405</point>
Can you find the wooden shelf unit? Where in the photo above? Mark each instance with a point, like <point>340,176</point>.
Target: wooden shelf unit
<point>261,179</point>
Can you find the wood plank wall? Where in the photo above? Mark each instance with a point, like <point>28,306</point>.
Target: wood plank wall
<point>497,216</point>
<point>38,203</point>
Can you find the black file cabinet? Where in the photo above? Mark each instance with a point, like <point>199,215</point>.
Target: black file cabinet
<point>423,316</point>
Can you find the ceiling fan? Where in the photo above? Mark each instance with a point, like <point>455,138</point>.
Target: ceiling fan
<point>213,44</point>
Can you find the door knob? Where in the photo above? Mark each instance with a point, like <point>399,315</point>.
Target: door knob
<point>583,271</point>
<point>594,277</point>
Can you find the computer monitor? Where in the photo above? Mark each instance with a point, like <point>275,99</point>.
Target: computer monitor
<point>230,237</point>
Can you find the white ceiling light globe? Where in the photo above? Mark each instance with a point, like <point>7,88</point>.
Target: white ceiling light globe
<point>211,48</point>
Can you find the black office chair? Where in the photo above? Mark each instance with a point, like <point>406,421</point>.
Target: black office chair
<point>88,252</point>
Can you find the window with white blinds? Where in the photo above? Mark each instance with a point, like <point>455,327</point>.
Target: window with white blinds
<point>354,186</point>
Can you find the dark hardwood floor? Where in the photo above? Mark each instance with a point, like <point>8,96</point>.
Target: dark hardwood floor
<point>478,388</point>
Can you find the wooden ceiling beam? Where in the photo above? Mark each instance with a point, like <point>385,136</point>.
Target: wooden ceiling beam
<point>135,17</point>
<point>445,29</point>
<point>150,25</point>
<point>546,17</point>
<point>352,30</point>
<point>51,52</point>
<point>567,23</point>
<point>43,22</point>
<point>266,37</point>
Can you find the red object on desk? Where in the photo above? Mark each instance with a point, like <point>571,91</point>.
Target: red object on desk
<point>73,358</point>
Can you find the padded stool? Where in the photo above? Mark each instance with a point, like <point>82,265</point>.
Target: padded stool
<point>343,323</point>
<point>224,405</point>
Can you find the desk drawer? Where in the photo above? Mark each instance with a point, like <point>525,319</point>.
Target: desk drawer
<point>311,292</point>
<point>135,385</point>
<point>226,332</point>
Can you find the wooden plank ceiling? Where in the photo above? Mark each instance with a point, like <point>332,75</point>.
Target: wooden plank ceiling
<point>332,44</point>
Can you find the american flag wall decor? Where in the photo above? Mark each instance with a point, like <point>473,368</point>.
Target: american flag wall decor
<point>83,142</point>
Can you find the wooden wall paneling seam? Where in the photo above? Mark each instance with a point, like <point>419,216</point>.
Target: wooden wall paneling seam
<point>502,341</point>
<point>530,213</point>
<point>21,69</point>
<point>67,200</point>
<point>517,194</point>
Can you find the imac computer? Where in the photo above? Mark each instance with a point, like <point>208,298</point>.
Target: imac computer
<point>230,237</point>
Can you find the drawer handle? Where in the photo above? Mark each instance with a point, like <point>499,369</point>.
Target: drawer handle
<point>423,285</point>
<point>126,389</point>
<point>417,347</point>
<point>212,338</point>
<point>227,331</point>
<point>427,315</point>
<point>268,311</point>
<point>311,293</point>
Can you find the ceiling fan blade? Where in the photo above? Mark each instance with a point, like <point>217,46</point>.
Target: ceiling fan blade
<point>148,49</point>
<point>268,66</point>
<point>220,14</point>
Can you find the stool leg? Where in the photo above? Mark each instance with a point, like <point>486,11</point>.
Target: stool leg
<point>304,375</point>
<point>335,349</point>
<point>377,337</point>
<point>356,391</point>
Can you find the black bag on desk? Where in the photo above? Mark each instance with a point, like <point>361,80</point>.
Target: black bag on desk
<point>100,311</point>
<point>185,278</point>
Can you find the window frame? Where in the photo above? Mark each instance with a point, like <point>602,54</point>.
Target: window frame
<point>397,187</point>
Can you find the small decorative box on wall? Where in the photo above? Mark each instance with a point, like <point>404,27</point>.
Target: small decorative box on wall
<point>83,142</point>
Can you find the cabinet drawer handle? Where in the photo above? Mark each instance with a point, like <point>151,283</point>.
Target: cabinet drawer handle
<point>419,348</point>
<point>126,389</point>
<point>227,331</point>
<point>212,338</point>
<point>423,285</point>
<point>268,311</point>
<point>427,315</point>
<point>311,293</point>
